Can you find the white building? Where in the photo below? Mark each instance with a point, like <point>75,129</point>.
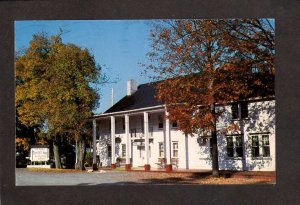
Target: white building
<point>134,132</point>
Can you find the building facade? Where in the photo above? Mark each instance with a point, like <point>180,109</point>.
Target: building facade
<point>135,132</point>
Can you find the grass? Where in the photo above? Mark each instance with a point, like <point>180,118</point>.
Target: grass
<point>119,169</point>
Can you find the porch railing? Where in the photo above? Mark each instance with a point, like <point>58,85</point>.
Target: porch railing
<point>139,132</point>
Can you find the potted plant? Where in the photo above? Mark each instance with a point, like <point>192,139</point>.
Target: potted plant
<point>118,161</point>
<point>118,140</point>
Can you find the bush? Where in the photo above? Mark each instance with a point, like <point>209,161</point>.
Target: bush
<point>89,158</point>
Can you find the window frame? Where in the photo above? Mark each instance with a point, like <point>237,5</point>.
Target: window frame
<point>177,149</point>
<point>265,145</point>
<point>109,151</point>
<point>240,110</point>
<point>244,109</point>
<point>123,149</point>
<point>235,111</point>
<point>256,146</point>
<point>261,145</point>
<point>234,146</point>
<point>202,141</point>
<point>239,146</point>
<point>231,147</point>
<point>205,142</point>
<point>174,127</point>
<point>161,150</point>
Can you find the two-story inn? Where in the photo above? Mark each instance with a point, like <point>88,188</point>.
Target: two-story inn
<point>134,132</point>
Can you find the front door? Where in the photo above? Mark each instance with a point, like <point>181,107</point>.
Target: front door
<point>140,155</point>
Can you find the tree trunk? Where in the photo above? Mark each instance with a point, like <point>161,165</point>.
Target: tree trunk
<point>80,155</point>
<point>215,160</point>
<point>56,144</point>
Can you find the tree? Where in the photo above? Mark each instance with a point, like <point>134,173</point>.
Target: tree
<point>57,88</point>
<point>205,63</point>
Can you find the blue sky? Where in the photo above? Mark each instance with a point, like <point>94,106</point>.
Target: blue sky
<point>119,45</point>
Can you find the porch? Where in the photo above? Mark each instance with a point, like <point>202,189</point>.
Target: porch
<point>136,131</point>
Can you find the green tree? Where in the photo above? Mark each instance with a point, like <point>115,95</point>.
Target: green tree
<point>57,88</point>
<point>205,63</point>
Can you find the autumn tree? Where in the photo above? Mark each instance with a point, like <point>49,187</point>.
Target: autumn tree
<point>57,88</point>
<point>204,64</point>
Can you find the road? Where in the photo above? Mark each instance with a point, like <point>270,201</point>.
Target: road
<point>25,177</point>
<point>29,177</point>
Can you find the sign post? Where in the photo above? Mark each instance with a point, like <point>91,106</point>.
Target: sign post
<point>39,153</point>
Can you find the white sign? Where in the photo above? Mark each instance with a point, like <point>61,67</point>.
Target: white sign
<point>39,154</point>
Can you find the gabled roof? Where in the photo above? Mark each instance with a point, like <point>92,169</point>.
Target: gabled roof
<point>142,98</point>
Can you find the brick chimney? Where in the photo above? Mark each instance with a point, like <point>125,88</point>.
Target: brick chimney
<point>131,87</point>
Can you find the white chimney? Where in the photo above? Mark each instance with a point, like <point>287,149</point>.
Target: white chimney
<point>131,87</point>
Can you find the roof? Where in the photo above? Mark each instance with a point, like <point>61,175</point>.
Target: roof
<point>142,98</point>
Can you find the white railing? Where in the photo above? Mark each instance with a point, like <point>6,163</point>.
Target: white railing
<point>139,132</point>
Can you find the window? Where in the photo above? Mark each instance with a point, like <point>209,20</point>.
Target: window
<point>230,146</point>
<point>175,149</point>
<point>141,149</point>
<point>161,149</point>
<point>123,150</point>
<point>207,142</point>
<point>202,141</point>
<point>239,110</point>
<point>260,146</point>
<point>239,146</point>
<point>255,146</point>
<point>174,124</point>
<point>234,146</point>
<point>235,110</point>
<point>244,109</point>
<point>265,146</point>
<point>109,150</point>
<point>160,122</point>
<point>133,132</point>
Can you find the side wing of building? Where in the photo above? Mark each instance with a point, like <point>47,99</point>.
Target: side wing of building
<point>252,147</point>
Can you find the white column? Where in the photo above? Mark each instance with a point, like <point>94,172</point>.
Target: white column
<point>112,135</point>
<point>127,139</point>
<point>168,140</point>
<point>99,144</point>
<point>94,142</point>
<point>146,134</point>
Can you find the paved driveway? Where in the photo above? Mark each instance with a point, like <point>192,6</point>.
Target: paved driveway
<point>27,177</point>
